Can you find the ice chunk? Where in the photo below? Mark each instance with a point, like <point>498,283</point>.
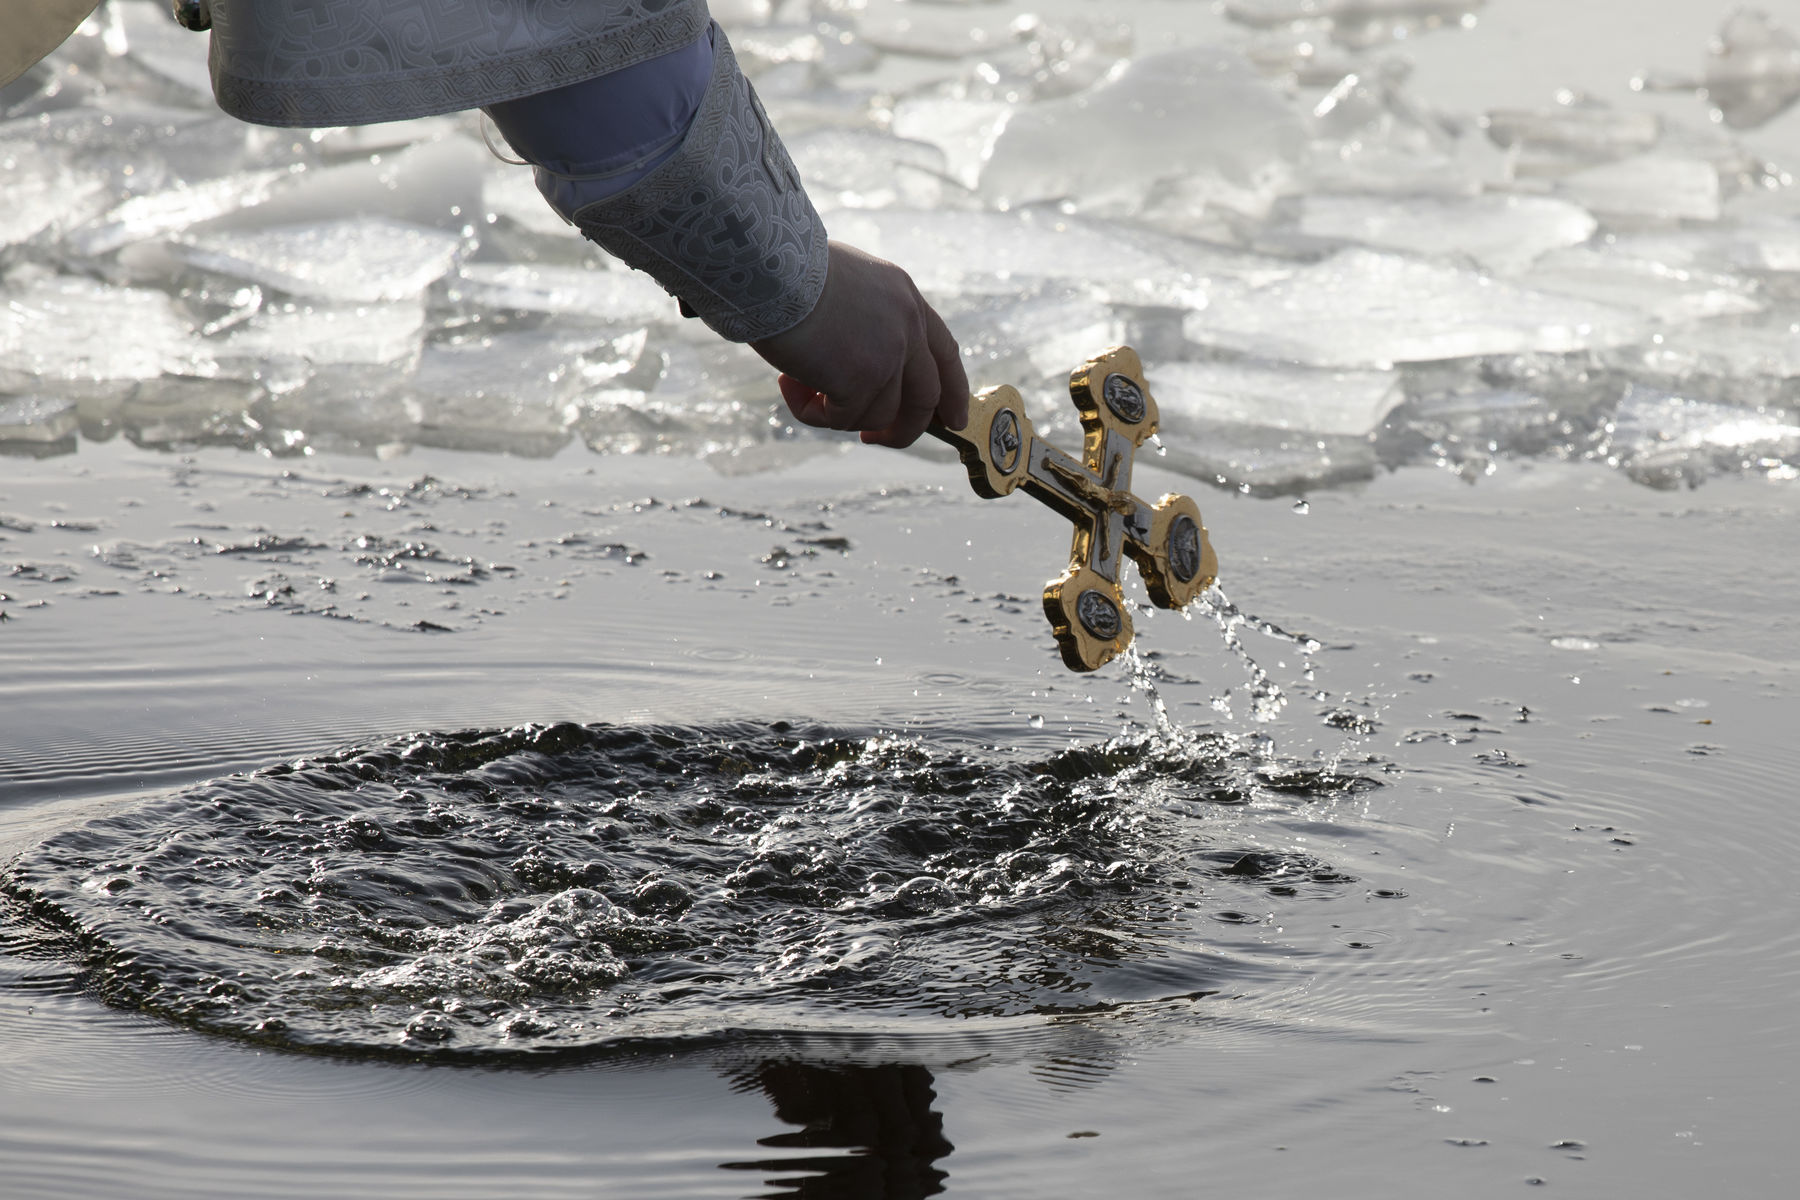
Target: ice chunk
<point>1579,134</point>
<point>821,47</point>
<point>319,334</point>
<point>963,129</point>
<point>1666,440</point>
<point>620,297</point>
<point>68,330</point>
<point>1752,74</point>
<point>1650,185</point>
<point>1300,59</point>
<point>925,32</point>
<point>1200,111</point>
<point>436,184</point>
<point>1502,232</point>
<point>1612,274</point>
<point>512,391</point>
<point>952,253</point>
<point>1725,361</point>
<point>1039,335</point>
<point>1049,59</point>
<point>34,421</point>
<point>44,191</point>
<point>173,209</point>
<point>1361,309</point>
<point>859,168</point>
<point>172,54</point>
<point>1270,462</point>
<point>1349,403</point>
<point>1357,22</point>
<point>353,261</point>
<point>508,191</point>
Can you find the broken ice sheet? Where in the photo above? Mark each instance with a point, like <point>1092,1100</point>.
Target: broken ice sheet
<point>973,253</point>
<point>37,420</point>
<point>1033,335</point>
<point>1752,71</point>
<point>963,129</point>
<point>862,168</point>
<point>1652,186</point>
<point>925,32</point>
<point>72,330</point>
<point>358,260</point>
<point>1728,361</point>
<point>1666,440</point>
<point>507,191</point>
<point>618,297</point>
<point>1348,403</point>
<point>1581,133</point>
<point>1360,308</point>
<point>1611,274</point>
<point>45,191</point>
<point>173,209</point>
<point>1049,59</point>
<point>513,391</point>
<point>1502,232</point>
<point>320,334</point>
<point>1357,22</point>
<point>1269,462</point>
<point>1198,111</point>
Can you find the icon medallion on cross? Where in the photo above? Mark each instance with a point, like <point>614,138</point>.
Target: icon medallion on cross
<point>1167,540</point>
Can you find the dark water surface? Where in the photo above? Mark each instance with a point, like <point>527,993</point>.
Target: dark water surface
<point>776,846</point>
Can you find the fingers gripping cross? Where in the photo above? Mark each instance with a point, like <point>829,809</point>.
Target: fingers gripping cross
<point>1167,541</point>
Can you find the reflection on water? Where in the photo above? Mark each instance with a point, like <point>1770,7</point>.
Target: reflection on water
<point>881,1116</point>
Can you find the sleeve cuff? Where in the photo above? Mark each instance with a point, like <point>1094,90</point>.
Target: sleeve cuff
<point>724,223</point>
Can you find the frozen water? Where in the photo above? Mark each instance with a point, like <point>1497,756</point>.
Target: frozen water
<point>1575,135</point>
<point>1266,197</point>
<point>72,331</point>
<point>964,130</point>
<point>859,168</point>
<point>1350,403</point>
<point>1202,111</point>
<point>357,260</point>
<point>1364,309</point>
<point>1666,440</point>
<point>1670,293</point>
<point>1752,72</point>
<point>35,420</point>
<point>174,209</point>
<point>1502,232</point>
<point>1356,22</point>
<point>517,388</point>
<point>1652,186</point>
<point>614,297</point>
<point>1007,253</point>
<point>321,334</point>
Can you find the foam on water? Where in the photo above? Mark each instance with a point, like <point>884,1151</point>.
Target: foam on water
<point>566,887</point>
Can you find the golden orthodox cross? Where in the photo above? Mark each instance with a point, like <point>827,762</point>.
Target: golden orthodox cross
<point>1167,541</point>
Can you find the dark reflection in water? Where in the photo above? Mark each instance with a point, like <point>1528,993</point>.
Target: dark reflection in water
<point>881,1117</point>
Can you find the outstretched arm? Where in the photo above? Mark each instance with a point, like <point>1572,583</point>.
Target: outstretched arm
<point>672,166</point>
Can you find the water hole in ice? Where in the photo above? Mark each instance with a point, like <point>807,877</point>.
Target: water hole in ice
<point>574,888</point>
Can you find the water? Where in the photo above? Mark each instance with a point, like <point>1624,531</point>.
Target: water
<point>459,738</point>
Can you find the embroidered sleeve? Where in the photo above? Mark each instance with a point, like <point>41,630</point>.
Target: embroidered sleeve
<point>722,223</point>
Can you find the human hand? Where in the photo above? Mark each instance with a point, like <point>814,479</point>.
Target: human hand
<point>872,356</point>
